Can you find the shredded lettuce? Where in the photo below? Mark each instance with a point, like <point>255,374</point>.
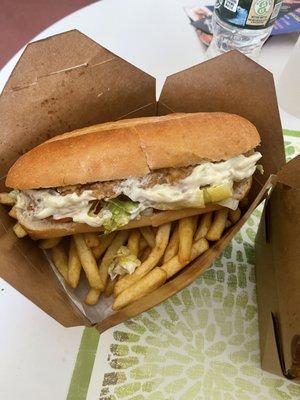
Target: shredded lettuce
<point>120,212</point>
<point>229,203</point>
<point>260,168</point>
<point>123,263</point>
<point>14,194</point>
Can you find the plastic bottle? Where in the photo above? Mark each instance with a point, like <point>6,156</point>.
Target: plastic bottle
<point>244,25</point>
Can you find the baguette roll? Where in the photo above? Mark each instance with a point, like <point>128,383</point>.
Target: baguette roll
<point>145,160</point>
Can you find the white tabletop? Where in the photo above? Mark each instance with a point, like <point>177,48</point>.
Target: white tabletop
<point>37,354</point>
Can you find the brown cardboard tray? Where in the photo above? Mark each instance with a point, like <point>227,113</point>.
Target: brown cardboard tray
<point>278,275</point>
<point>68,81</point>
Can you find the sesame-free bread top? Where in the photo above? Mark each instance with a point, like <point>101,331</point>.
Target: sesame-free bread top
<point>132,148</point>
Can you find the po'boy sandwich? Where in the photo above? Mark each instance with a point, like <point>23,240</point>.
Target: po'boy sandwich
<point>134,172</point>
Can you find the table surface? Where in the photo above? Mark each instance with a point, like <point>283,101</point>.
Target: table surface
<point>37,354</point>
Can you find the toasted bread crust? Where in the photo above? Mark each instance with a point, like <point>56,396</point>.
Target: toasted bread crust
<point>134,147</point>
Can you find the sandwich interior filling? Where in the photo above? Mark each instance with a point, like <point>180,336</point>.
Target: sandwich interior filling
<point>113,204</point>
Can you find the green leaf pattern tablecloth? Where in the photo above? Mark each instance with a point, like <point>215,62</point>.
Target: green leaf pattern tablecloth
<point>203,342</point>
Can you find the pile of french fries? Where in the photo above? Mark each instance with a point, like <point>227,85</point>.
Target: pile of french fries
<point>162,251</point>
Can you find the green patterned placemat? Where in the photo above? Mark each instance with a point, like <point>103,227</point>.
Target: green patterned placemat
<point>200,344</point>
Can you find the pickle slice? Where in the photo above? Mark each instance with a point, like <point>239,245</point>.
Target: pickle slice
<point>199,198</point>
<point>214,194</point>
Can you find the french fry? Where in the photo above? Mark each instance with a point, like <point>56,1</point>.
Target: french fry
<point>49,243</point>
<point>92,297</point>
<point>147,284</point>
<point>88,262</point>
<point>143,244</point>
<point>93,294</point>
<point>133,242</point>
<point>234,215</point>
<point>91,239</point>
<point>110,287</point>
<point>105,241</point>
<point>148,235</point>
<point>60,260</point>
<point>228,223</point>
<point>118,241</point>
<point>6,199</point>
<point>13,213</point>
<point>19,231</point>
<point>172,248</point>
<point>186,230</point>
<point>145,254</point>
<point>174,265</point>
<point>204,225</point>
<point>161,242</point>
<point>218,225</point>
<point>74,265</point>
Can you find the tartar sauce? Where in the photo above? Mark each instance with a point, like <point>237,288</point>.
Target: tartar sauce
<point>235,169</point>
<point>46,203</point>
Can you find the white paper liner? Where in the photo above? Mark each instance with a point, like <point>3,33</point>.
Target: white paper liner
<point>95,313</point>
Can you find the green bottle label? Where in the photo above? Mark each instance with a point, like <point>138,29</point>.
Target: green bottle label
<point>256,14</point>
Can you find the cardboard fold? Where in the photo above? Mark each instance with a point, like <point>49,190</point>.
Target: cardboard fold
<point>67,82</point>
<point>278,275</point>
<point>289,175</point>
<point>71,51</point>
<point>23,265</point>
